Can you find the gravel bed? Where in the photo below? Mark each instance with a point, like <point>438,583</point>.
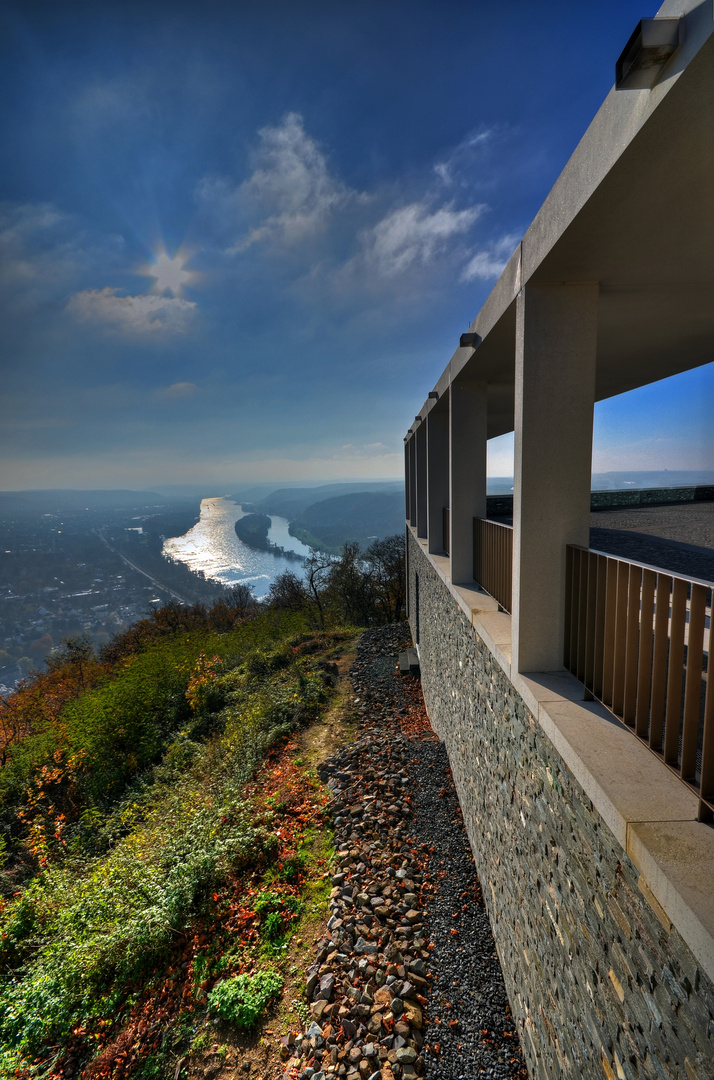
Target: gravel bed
<point>406,983</point>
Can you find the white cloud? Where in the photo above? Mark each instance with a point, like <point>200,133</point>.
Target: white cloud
<point>44,254</point>
<point>133,314</point>
<point>363,449</point>
<point>176,391</point>
<point>459,164</point>
<point>34,244</point>
<point>290,193</point>
<point>490,262</point>
<point>415,233</point>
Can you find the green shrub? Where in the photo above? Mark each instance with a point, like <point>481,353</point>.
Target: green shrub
<point>243,999</point>
<point>149,842</point>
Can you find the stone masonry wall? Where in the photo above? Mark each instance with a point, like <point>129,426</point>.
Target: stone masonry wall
<point>601,986</point>
<point>502,505</point>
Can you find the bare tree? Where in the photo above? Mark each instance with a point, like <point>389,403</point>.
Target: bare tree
<point>386,560</point>
<point>317,574</point>
<point>287,592</point>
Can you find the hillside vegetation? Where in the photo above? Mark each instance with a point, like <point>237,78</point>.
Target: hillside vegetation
<point>157,851</point>
<point>289,502</point>
<point>356,518</point>
<point>329,516</point>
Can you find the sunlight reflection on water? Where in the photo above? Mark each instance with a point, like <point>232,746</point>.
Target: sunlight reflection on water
<point>213,547</point>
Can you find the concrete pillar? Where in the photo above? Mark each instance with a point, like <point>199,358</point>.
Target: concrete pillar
<point>420,438</point>
<point>556,346</point>
<point>412,480</point>
<point>437,473</point>
<point>467,472</point>
<point>407,492</point>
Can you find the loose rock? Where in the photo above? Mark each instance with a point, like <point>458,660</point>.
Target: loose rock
<point>396,995</point>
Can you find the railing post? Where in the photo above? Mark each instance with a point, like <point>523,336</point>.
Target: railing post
<point>467,471</point>
<point>421,480</point>
<point>556,340</point>
<point>412,481</point>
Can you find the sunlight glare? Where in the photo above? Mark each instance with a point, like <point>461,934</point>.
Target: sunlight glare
<point>169,274</point>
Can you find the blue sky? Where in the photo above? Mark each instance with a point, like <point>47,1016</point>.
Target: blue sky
<point>238,241</point>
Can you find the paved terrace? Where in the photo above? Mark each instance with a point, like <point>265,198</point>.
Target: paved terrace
<point>677,538</point>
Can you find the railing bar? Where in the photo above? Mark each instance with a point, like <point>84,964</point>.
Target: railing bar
<point>580,585</point>
<point>581,613</point>
<point>499,567</point>
<point>659,660</point>
<point>693,684</point>
<point>618,681</point>
<point>675,672</point>
<point>632,646</point>
<point>706,783</point>
<point>601,564</point>
<point>570,559</point>
<point>649,566</point>
<point>493,559</point>
<point>478,575</point>
<point>590,622</point>
<point>609,635</point>
<point>644,671</point>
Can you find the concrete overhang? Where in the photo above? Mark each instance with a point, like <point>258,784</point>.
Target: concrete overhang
<point>633,210</point>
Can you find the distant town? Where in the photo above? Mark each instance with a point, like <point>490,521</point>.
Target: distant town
<point>85,564</point>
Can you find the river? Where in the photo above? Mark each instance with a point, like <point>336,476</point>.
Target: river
<point>213,547</point>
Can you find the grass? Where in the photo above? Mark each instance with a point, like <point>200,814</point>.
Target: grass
<point>179,873</point>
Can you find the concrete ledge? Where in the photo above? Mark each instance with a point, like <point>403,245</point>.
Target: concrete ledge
<point>676,859</point>
<point>625,782</point>
<point>650,811</point>
<point>494,628</point>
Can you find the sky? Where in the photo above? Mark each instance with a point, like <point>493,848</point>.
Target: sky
<point>238,241</point>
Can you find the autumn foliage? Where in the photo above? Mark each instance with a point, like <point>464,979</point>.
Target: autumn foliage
<point>160,839</point>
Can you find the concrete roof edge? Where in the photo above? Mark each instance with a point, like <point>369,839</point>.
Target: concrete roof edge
<point>615,125</point>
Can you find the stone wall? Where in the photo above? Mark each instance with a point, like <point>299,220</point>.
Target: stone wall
<point>502,505</point>
<point>600,983</point>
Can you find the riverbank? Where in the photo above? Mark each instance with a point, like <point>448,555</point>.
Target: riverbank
<point>253,529</point>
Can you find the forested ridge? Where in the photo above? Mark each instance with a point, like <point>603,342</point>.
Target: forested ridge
<point>158,847</point>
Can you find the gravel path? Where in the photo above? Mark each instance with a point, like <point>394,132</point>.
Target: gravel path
<point>407,982</point>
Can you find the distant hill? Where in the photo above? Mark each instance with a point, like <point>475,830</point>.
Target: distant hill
<point>362,516</point>
<point>659,478</point>
<point>66,500</point>
<point>291,502</point>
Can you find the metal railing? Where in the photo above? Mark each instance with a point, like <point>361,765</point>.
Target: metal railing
<point>493,559</point>
<point>446,529</point>
<point>638,638</point>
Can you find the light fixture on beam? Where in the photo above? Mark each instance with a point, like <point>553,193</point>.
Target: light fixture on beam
<point>469,340</point>
<point>434,394</point>
<point>652,45</point>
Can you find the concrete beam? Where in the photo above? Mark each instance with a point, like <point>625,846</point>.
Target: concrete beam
<point>556,348</point>
<point>468,424</point>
